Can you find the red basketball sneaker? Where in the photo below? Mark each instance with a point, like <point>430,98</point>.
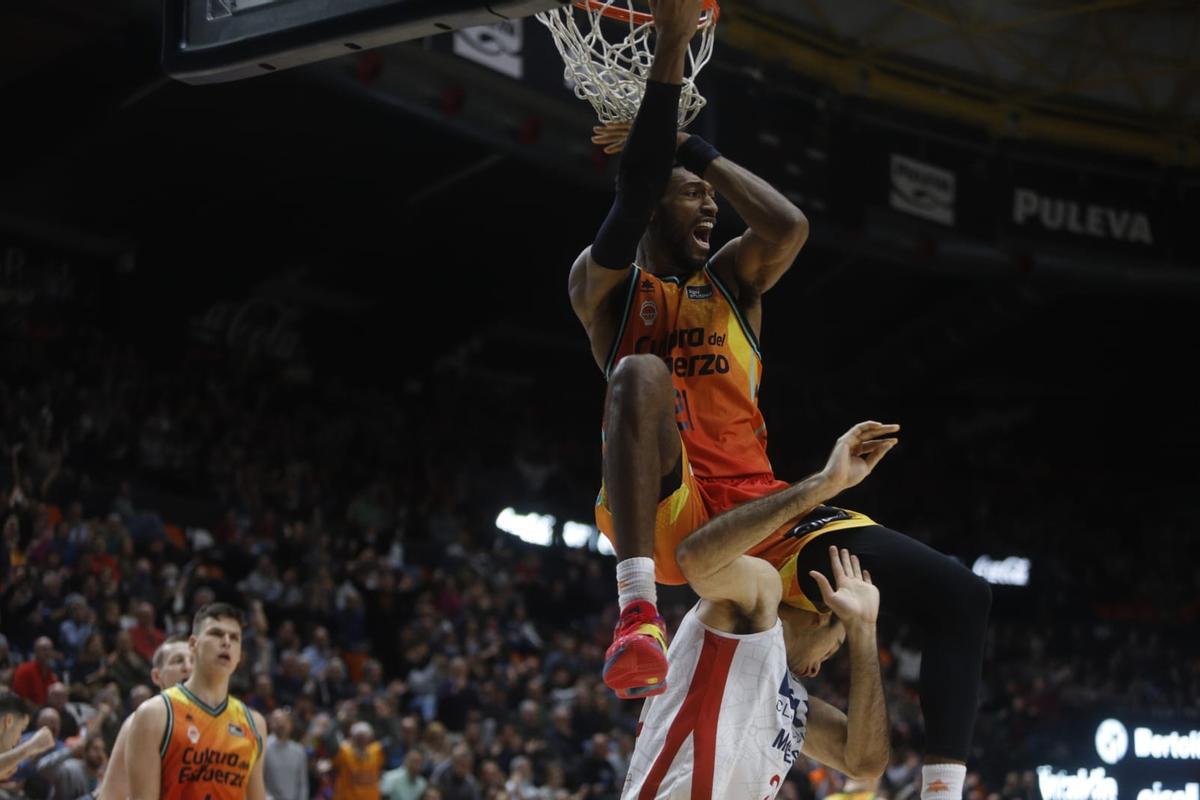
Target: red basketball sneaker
<point>636,662</point>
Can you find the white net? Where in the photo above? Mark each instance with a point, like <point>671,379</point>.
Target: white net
<point>610,73</point>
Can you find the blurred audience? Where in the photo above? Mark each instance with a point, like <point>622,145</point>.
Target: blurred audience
<point>405,648</point>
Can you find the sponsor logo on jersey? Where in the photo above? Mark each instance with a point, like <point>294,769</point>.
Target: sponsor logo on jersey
<point>704,292</point>
<point>678,339</point>
<point>236,729</point>
<point>648,313</point>
<point>212,766</point>
<point>647,286</point>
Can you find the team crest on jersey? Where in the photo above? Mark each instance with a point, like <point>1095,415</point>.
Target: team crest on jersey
<point>700,292</point>
<point>648,313</point>
<point>193,734</point>
<point>236,730</point>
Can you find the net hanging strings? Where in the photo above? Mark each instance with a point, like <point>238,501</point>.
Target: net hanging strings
<point>610,73</point>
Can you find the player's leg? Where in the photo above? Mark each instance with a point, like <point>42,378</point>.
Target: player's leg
<point>948,605</point>
<point>641,450</point>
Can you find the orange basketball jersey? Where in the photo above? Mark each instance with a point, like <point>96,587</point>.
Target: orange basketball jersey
<point>207,753</point>
<point>694,325</point>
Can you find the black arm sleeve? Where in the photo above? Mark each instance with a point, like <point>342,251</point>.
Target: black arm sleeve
<point>642,178</point>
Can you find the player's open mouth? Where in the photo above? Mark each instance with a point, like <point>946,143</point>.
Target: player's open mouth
<point>702,232</point>
<point>224,657</point>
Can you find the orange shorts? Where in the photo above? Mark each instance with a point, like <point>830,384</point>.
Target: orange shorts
<point>697,500</point>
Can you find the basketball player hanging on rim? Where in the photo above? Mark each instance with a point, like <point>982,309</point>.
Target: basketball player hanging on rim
<point>195,741</point>
<point>674,326</point>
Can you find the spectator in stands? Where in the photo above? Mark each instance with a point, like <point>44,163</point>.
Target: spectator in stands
<point>319,653</point>
<point>263,583</point>
<point>405,782</point>
<point>520,784</point>
<point>125,666</point>
<point>455,777</point>
<point>456,696</point>
<point>56,698</point>
<point>32,679</point>
<point>145,636</point>
<point>76,628</point>
<point>596,772</point>
<point>8,660</point>
<point>358,765</point>
<point>286,769</point>
<point>91,666</point>
<point>75,770</point>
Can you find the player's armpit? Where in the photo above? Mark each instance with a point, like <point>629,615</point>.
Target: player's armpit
<point>748,583</point>
<point>826,737</point>
<point>591,287</point>
<point>142,760</point>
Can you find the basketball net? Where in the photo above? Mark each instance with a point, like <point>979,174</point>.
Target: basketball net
<point>610,72</point>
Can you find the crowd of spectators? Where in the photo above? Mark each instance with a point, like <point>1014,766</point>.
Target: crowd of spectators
<point>396,640</point>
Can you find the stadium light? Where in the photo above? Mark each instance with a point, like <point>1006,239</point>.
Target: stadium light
<point>533,528</point>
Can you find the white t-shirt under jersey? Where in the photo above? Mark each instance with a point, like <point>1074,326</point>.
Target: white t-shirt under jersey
<point>730,724</point>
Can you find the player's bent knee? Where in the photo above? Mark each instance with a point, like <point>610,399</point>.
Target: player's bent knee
<point>973,596</point>
<point>640,381</point>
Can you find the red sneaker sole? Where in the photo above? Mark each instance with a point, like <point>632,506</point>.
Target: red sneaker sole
<point>637,669</point>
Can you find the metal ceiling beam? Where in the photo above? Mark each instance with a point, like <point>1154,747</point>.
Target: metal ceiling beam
<point>818,11</point>
<point>1002,25</point>
<point>1120,57</point>
<point>1004,113</point>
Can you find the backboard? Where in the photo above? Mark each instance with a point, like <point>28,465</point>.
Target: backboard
<point>210,41</point>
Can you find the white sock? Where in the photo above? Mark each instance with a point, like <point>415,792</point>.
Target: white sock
<point>942,781</point>
<point>635,581</point>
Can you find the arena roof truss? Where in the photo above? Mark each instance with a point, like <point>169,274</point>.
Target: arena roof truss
<point>1114,75</point>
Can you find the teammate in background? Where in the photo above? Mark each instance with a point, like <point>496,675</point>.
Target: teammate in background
<point>735,717</point>
<point>674,326</point>
<point>171,664</point>
<point>14,718</point>
<point>209,744</point>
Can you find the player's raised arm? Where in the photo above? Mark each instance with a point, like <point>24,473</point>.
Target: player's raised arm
<point>855,743</point>
<point>777,230</point>
<point>711,558</point>
<point>143,760</point>
<point>644,171</point>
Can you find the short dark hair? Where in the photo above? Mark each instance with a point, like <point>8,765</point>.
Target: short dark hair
<point>217,611</point>
<point>12,703</point>
<point>160,654</point>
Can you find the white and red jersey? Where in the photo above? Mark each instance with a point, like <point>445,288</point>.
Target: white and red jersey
<point>730,724</point>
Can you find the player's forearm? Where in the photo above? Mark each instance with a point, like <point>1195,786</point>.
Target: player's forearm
<point>670,56</point>
<point>867,744</point>
<point>763,208</point>
<point>718,542</point>
<point>14,757</point>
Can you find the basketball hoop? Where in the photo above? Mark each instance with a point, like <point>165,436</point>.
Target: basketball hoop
<point>611,75</point>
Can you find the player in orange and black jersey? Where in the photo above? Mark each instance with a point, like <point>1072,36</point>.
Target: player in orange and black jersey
<point>674,324</point>
<point>195,741</point>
